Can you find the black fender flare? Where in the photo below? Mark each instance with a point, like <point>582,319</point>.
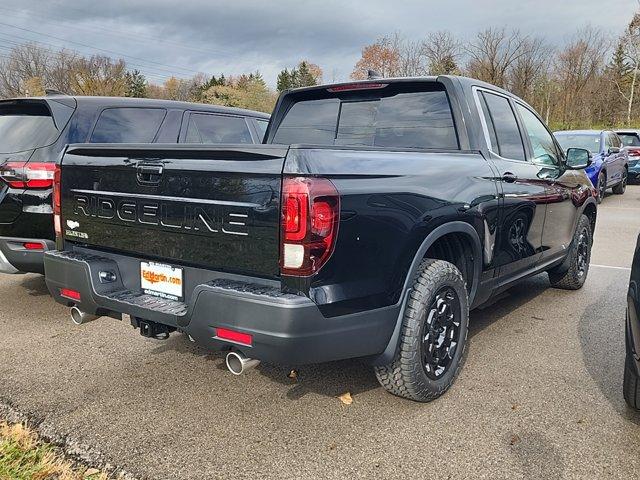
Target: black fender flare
<point>452,227</point>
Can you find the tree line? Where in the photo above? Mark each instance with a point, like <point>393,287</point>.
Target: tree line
<point>590,81</point>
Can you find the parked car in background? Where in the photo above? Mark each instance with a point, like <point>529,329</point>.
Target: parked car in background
<point>631,144</point>
<point>609,167</point>
<point>35,131</point>
<point>377,214</point>
<point>632,361</point>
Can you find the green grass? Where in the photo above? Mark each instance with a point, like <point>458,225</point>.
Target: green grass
<point>24,456</point>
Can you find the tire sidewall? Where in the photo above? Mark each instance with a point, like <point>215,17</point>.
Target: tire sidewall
<point>602,177</point>
<point>441,384</point>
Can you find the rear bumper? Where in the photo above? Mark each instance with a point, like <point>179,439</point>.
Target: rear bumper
<point>15,258</point>
<point>286,328</point>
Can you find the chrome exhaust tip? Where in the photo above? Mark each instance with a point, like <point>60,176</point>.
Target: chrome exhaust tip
<point>80,318</point>
<point>237,363</point>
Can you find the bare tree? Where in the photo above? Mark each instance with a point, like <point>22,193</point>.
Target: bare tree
<point>442,52</point>
<point>493,54</point>
<point>577,68</point>
<point>529,68</point>
<point>630,43</point>
<point>24,63</point>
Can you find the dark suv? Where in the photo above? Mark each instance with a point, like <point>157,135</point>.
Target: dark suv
<point>35,131</point>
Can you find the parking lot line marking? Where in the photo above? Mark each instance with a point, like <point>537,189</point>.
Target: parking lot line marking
<point>610,266</point>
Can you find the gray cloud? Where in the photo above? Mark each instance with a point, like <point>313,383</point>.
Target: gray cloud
<point>186,36</point>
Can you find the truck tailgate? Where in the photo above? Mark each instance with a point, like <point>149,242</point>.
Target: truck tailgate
<point>215,207</point>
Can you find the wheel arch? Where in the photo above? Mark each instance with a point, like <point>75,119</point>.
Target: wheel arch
<point>438,234</point>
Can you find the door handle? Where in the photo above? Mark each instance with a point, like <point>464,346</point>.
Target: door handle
<point>149,174</point>
<point>509,177</point>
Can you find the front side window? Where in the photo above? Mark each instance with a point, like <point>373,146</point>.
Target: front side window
<point>213,129</point>
<point>385,117</point>
<point>128,125</point>
<point>544,148</point>
<point>506,127</point>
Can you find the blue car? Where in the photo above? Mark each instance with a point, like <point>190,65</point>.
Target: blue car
<point>610,162</point>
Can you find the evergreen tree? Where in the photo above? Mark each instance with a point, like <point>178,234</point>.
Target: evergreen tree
<point>136,84</point>
<point>304,78</point>
<point>284,81</point>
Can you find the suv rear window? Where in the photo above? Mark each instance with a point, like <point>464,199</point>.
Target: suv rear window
<point>128,125</point>
<point>398,115</point>
<point>25,126</point>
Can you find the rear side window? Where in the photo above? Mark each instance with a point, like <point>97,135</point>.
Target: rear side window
<point>629,139</point>
<point>506,127</point>
<point>211,129</point>
<point>387,117</point>
<point>25,126</point>
<point>128,125</point>
<point>262,128</point>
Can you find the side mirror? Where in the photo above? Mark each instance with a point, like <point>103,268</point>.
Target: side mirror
<point>578,158</point>
<point>613,150</point>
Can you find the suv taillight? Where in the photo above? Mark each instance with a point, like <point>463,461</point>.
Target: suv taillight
<point>57,201</point>
<point>27,175</point>
<point>310,218</point>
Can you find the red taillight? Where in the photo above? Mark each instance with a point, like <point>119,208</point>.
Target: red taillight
<point>57,201</point>
<point>28,175</point>
<point>33,246</point>
<point>70,294</point>
<point>310,218</point>
<point>234,336</point>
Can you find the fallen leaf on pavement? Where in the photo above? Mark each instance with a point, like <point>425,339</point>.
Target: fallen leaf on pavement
<point>514,439</point>
<point>346,398</point>
<point>91,472</point>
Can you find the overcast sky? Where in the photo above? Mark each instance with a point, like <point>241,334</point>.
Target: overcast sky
<point>182,37</point>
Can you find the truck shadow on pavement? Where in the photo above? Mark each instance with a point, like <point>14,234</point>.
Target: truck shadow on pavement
<point>34,285</point>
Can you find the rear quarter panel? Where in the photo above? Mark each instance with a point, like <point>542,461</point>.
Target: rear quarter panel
<point>386,215</point>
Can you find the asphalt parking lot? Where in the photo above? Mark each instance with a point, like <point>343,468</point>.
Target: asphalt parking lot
<point>540,395</point>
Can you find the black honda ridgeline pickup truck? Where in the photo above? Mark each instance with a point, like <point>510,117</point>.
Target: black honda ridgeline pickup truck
<point>375,216</point>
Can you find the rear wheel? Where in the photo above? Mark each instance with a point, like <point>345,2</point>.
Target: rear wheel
<point>622,186</point>
<point>602,186</point>
<point>579,257</point>
<point>631,386</point>
<point>433,335</point>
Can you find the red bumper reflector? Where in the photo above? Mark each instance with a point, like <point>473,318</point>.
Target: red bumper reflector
<point>32,246</point>
<point>71,294</point>
<point>233,336</point>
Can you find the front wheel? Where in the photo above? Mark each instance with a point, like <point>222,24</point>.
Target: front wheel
<point>622,186</point>
<point>578,257</point>
<point>433,335</point>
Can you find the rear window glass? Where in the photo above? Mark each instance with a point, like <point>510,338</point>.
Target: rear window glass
<point>629,139</point>
<point>387,117</point>
<point>213,129</point>
<point>128,125</point>
<point>25,127</point>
